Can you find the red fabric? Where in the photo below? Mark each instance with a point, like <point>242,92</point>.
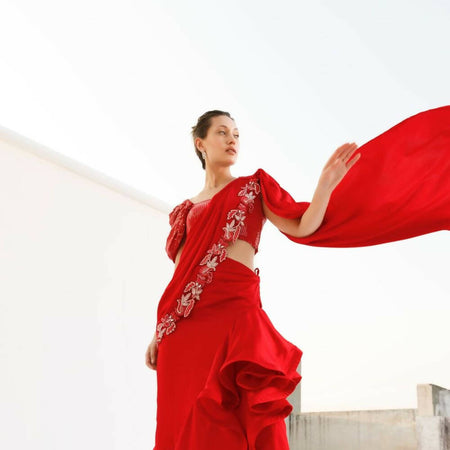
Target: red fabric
<point>250,231</point>
<point>194,212</point>
<point>177,222</point>
<point>220,360</point>
<point>224,375</point>
<point>399,188</point>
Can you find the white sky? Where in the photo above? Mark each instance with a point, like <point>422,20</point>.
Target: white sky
<point>117,85</point>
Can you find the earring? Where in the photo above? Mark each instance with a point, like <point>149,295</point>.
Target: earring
<point>204,155</point>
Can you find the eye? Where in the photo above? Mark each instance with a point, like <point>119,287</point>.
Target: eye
<point>236,135</point>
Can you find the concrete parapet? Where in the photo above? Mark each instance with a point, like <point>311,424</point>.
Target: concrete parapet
<point>433,433</point>
<point>433,417</point>
<point>424,428</point>
<point>368,430</point>
<point>433,400</point>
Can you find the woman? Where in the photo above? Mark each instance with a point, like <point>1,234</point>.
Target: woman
<point>223,370</point>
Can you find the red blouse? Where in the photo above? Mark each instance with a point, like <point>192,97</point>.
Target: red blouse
<point>184,216</point>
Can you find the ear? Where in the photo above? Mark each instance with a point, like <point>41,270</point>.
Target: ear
<point>198,144</point>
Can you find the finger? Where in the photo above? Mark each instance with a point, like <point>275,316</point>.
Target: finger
<point>346,154</point>
<point>350,164</point>
<point>344,149</point>
<point>339,153</point>
<point>150,365</point>
<point>351,154</point>
<point>333,158</point>
<point>148,357</point>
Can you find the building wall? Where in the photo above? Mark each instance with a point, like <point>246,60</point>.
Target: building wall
<point>82,268</point>
<point>351,430</point>
<point>424,428</point>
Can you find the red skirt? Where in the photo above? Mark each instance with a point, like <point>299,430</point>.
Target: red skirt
<point>224,374</point>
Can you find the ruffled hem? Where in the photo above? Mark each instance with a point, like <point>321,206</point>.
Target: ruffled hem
<point>250,377</point>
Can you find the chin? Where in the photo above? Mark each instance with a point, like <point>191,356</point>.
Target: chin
<point>229,163</point>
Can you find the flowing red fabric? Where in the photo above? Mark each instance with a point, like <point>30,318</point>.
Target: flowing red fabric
<point>398,189</point>
<point>223,370</point>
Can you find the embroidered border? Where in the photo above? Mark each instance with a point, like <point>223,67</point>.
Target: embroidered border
<point>214,256</point>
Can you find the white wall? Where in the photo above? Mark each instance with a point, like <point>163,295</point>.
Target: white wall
<point>82,267</point>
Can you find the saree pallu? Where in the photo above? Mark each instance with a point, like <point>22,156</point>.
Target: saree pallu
<point>226,371</point>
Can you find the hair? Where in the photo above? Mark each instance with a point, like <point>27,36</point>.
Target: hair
<point>203,125</point>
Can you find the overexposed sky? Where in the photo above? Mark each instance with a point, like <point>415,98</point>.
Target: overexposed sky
<point>118,85</point>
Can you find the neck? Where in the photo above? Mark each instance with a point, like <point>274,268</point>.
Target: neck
<point>217,178</point>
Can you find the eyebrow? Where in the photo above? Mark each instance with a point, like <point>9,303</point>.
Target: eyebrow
<point>226,126</point>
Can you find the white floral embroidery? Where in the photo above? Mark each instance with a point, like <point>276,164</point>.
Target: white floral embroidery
<point>195,288</point>
<point>185,304</point>
<point>166,326</point>
<point>249,192</point>
<point>230,230</point>
<point>214,255</point>
<point>204,276</point>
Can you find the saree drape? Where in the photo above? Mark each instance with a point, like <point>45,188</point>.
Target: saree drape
<point>223,370</point>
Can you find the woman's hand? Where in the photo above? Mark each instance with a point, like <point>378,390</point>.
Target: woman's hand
<point>337,166</point>
<point>152,354</point>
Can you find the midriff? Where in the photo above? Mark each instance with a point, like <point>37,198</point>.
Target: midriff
<point>238,250</point>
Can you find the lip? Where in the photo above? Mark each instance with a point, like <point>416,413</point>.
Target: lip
<point>231,148</point>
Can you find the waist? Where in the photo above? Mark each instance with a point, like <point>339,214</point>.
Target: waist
<point>239,269</point>
<point>233,283</point>
<point>241,251</point>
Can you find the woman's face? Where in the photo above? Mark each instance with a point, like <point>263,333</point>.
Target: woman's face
<point>221,140</point>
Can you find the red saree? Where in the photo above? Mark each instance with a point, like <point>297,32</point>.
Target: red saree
<point>223,370</point>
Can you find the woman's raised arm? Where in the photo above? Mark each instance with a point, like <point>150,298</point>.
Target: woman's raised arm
<point>333,172</point>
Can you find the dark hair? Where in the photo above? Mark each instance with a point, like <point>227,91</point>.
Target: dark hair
<point>201,129</point>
